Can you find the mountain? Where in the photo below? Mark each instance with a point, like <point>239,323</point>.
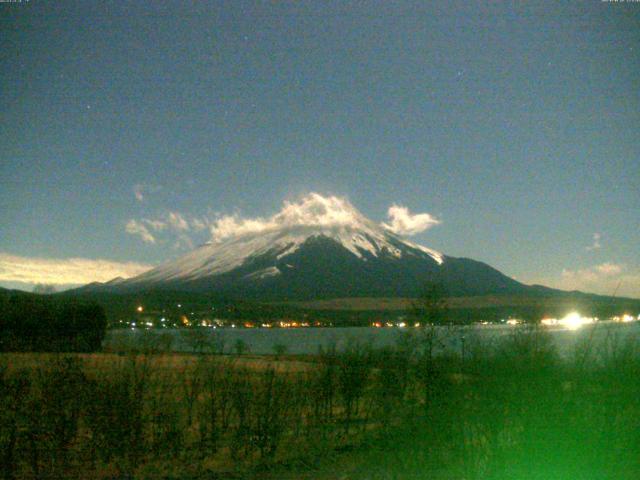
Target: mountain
<point>321,247</point>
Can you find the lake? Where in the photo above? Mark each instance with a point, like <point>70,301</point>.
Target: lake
<point>309,340</point>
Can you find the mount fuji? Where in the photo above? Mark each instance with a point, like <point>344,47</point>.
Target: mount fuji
<point>319,248</point>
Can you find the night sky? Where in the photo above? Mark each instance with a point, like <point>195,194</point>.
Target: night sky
<point>516,126</point>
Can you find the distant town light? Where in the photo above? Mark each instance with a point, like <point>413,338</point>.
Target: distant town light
<point>572,321</point>
<point>139,309</point>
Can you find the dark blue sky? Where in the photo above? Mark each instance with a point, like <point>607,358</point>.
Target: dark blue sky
<point>518,126</point>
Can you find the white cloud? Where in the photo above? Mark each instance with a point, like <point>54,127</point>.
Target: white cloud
<point>78,271</point>
<point>609,268</point>
<point>317,211</point>
<point>229,226</point>
<point>140,190</point>
<point>157,225</point>
<point>170,226</point>
<point>596,242</point>
<point>198,224</point>
<point>136,228</point>
<point>606,279</point>
<point>177,221</point>
<point>137,191</point>
<point>312,211</point>
<point>403,222</point>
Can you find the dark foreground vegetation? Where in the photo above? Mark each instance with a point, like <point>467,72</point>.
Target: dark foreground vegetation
<point>44,323</point>
<point>503,411</point>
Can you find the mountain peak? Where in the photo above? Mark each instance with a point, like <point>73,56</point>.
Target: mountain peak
<point>237,242</point>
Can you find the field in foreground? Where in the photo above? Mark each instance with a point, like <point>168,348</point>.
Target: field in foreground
<point>510,410</point>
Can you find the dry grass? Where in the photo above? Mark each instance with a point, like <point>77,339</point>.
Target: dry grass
<point>360,414</point>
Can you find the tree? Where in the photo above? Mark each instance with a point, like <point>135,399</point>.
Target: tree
<point>431,307</point>
<point>42,323</point>
<point>44,288</point>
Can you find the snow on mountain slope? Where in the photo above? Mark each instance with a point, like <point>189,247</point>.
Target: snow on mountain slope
<point>237,241</point>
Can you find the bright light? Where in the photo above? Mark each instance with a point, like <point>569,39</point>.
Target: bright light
<point>513,321</point>
<point>574,320</point>
<point>402,324</point>
<point>140,309</point>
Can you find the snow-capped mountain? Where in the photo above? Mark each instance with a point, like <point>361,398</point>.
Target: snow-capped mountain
<point>320,247</point>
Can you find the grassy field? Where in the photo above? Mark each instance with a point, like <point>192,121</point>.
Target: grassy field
<point>552,303</point>
<point>505,411</point>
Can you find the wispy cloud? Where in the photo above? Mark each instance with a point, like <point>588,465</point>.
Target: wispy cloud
<point>170,226</point>
<point>403,222</point>
<point>178,222</point>
<point>596,242</point>
<point>605,279</point>
<point>317,211</point>
<point>136,228</point>
<point>52,271</point>
<point>309,212</point>
<point>157,225</point>
<point>140,190</point>
<point>312,211</point>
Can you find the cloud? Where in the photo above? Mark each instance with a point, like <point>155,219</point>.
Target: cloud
<point>403,222</point>
<point>606,279</point>
<point>596,242</point>
<point>198,224</point>
<point>157,225</point>
<point>317,211</point>
<point>312,211</point>
<point>609,269</point>
<point>231,226</point>
<point>140,190</point>
<point>177,221</point>
<point>136,228</point>
<point>170,226</point>
<point>78,271</point>
<point>137,191</point>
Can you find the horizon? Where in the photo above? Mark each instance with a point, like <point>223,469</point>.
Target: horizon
<point>502,133</point>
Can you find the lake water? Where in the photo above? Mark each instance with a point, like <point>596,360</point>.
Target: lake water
<point>309,340</point>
